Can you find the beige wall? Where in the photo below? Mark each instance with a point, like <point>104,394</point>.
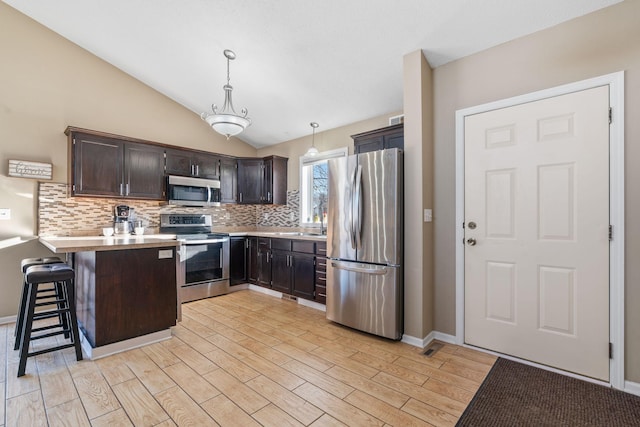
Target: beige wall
<point>600,43</point>
<point>46,84</point>
<point>325,140</point>
<point>418,195</point>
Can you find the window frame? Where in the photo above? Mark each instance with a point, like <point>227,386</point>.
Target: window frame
<point>310,161</point>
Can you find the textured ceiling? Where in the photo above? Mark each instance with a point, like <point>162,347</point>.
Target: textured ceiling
<point>331,61</point>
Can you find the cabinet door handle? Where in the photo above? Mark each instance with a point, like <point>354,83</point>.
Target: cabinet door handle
<point>197,170</point>
<point>240,197</point>
<point>268,196</point>
<point>121,189</point>
<point>127,186</point>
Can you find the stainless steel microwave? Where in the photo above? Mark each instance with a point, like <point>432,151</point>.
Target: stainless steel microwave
<point>186,191</point>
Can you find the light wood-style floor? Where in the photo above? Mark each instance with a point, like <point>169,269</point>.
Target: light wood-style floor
<point>245,359</point>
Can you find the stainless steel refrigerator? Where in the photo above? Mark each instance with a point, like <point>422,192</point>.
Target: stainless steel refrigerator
<point>365,242</point>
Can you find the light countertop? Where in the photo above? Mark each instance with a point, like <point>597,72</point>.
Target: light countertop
<point>275,232</point>
<point>101,243</point>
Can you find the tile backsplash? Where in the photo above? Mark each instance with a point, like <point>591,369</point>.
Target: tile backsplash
<point>62,215</point>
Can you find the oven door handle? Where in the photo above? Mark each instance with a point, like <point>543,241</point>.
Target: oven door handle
<point>203,242</point>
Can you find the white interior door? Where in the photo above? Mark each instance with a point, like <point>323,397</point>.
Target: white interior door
<point>537,231</point>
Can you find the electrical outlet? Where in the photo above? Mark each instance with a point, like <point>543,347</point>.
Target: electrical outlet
<point>5,213</point>
<point>428,215</point>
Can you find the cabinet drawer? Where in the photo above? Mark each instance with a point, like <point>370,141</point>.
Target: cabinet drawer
<point>264,243</point>
<point>281,244</point>
<point>321,264</point>
<point>321,278</point>
<point>321,248</point>
<point>303,246</point>
<point>321,294</point>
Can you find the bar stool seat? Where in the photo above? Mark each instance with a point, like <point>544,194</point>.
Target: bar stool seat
<point>63,276</point>
<point>56,292</point>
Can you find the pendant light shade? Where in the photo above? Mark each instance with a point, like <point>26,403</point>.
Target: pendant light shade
<point>313,151</point>
<point>227,122</point>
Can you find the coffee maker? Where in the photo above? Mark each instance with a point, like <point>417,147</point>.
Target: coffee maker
<point>123,217</point>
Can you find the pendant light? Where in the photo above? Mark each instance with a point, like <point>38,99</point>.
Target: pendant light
<point>313,151</point>
<point>227,122</point>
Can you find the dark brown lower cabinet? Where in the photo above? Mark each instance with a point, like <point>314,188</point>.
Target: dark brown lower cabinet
<point>124,294</point>
<point>320,293</point>
<point>302,275</point>
<point>292,267</point>
<point>238,256</point>
<point>281,271</point>
<point>264,262</point>
<point>252,260</point>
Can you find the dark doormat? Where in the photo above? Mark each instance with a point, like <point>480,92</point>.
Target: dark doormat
<point>514,394</point>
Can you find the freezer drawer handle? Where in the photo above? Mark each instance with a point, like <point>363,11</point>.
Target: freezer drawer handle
<point>379,271</point>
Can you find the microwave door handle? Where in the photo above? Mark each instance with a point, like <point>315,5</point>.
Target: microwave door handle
<point>209,194</point>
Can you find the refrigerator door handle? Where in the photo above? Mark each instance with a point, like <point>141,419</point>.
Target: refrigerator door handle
<point>351,228</point>
<point>357,229</point>
<point>378,270</point>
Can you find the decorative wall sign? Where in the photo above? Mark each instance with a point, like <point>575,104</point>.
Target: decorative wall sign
<point>24,169</point>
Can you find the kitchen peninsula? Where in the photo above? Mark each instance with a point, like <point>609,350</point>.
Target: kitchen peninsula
<point>126,289</point>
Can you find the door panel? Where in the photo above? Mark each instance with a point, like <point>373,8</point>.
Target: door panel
<point>366,297</point>
<point>537,269</point>
<point>339,237</point>
<point>380,220</point>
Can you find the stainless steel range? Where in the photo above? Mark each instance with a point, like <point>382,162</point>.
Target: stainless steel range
<point>204,256</point>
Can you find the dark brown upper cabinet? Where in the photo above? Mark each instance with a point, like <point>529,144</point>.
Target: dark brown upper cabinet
<point>262,181</point>
<point>105,166</point>
<point>192,163</point>
<point>379,139</point>
<point>228,180</point>
<point>108,165</point>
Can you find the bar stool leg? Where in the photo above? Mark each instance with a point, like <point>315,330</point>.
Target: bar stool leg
<point>20,320</point>
<point>71,303</point>
<point>61,294</point>
<point>32,289</point>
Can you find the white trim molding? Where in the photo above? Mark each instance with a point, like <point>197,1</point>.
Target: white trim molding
<point>424,342</point>
<point>417,342</point>
<point>615,81</point>
<point>8,319</point>
<point>631,387</point>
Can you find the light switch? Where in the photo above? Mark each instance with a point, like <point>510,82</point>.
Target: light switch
<point>428,215</point>
<point>5,213</point>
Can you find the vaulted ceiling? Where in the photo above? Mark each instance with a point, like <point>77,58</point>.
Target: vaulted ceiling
<point>331,61</point>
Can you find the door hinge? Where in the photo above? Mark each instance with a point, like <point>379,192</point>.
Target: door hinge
<point>610,351</point>
<point>610,115</point>
<point>610,232</point>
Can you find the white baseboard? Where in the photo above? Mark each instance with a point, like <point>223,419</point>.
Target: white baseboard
<point>265,291</point>
<point>631,387</point>
<point>8,319</point>
<point>424,342</point>
<point>446,338</point>
<point>416,342</point>
<point>94,353</point>
<point>312,304</point>
<point>276,294</point>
